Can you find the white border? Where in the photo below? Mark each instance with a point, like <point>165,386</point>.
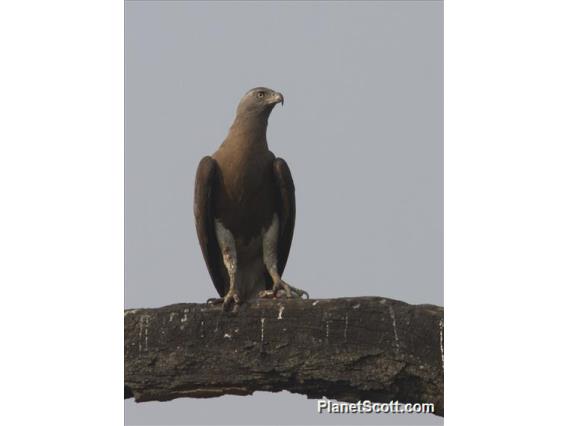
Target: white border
<point>61,214</point>
<point>506,212</point>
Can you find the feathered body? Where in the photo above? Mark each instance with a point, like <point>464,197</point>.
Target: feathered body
<point>241,193</point>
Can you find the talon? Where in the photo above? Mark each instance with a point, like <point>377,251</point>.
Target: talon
<point>282,288</point>
<point>286,288</point>
<point>299,292</point>
<point>266,294</point>
<point>230,298</point>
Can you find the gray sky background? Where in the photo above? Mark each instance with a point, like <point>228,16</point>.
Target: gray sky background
<point>361,130</point>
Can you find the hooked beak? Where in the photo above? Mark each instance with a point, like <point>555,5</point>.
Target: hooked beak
<point>278,98</point>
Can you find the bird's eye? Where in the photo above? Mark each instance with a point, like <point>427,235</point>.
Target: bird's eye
<point>260,95</point>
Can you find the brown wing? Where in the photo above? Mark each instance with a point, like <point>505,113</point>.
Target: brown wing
<point>286,210</point>
<point>205,223</point>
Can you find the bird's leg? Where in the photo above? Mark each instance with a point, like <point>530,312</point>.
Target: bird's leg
<point>270,258</point>
<point>231,264</point>
<point>229,251</point>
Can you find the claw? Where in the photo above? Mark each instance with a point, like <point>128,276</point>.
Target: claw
<point>227,301</point>
<point>266,294</point>
<point>301,293</point>
<point>282,289</point>
<point>230,298</point>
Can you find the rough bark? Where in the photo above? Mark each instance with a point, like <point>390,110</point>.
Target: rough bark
<point>348,349</point>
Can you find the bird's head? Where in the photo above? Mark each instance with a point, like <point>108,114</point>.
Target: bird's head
<point>259,102</point>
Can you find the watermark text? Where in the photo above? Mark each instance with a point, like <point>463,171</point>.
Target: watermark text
<point>367,407</point>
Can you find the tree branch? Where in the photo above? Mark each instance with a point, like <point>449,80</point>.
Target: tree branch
<point>348,349</point>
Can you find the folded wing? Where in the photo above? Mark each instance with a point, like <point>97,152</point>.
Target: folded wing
<point>286,210</point>
<point>205,223</point>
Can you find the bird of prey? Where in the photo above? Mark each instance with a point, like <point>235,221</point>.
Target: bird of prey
<point>245,208</point>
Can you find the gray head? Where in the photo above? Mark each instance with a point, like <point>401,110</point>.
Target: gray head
<point>258,102</point>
